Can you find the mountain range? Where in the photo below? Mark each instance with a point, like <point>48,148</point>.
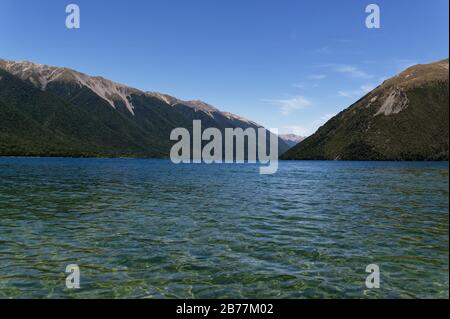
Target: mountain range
<point>405,118</point>
<point>53,111</point>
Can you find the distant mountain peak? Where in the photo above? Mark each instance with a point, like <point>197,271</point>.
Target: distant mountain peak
<point>291,139</point>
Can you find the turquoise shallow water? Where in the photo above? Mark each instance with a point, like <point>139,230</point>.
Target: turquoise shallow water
<point>152,229</point>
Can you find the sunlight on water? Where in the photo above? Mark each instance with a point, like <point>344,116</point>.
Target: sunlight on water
<point>152,229</point>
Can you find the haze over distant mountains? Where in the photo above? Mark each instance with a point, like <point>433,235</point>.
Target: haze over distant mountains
<point>52,111</point>
<point>291,139</point>
<point>405,118</point>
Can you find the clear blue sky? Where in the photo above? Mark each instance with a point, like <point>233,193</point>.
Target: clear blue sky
<point>287,64</point>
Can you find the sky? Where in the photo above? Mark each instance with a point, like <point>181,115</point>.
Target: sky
<point>286,64</point>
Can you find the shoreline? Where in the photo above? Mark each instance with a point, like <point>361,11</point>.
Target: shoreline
<point>168,159</point>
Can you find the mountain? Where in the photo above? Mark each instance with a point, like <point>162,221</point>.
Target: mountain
<point>52,111</point>
<point>405,118</point>
<point>291,139</point>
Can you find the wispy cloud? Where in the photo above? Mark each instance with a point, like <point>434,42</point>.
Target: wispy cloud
<point>309,84</point>
<point>353,72</point>
<point>287,106</point>
<point>317,76</point>
<point>346,69</point>
<point>299,85</point>
<point>363,89</point>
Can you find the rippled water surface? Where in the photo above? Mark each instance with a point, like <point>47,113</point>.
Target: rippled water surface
<point>152,229</point>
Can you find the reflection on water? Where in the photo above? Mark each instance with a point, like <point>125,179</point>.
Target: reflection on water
<point>152,229</point>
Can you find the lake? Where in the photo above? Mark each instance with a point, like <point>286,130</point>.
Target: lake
<point>152,229</point>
